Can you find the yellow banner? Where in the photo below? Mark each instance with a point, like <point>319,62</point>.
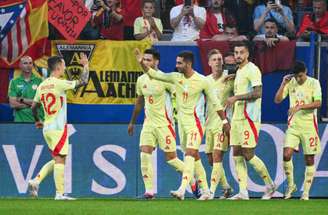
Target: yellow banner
<point>114,70</point>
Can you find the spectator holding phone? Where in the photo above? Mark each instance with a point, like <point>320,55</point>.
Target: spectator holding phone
<point>271,36</point>
<point>274,10</point>
<point>187,20</point>
<point>108,19</point>
<point>315,22</point>
<point>217,17</point>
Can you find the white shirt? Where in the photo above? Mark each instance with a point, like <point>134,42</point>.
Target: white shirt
<point>220,23</point>
<point>186,30</point>
<point>262,36</point>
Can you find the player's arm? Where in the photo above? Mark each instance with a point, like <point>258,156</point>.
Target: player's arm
<point>311,106</point>
<point>166,77</point>
<point>253,95</point>
<point>282,92</point>
<point>219,109</point>
<point>256,93</point>
<point>139,104</point>
<point>35,107</point>
<point>84,78</point>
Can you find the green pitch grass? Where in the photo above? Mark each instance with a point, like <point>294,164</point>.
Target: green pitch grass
<point>161,206</point>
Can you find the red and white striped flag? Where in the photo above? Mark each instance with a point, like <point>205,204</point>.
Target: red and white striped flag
<point>22,25</point>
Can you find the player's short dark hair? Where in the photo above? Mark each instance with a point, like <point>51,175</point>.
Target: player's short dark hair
<point>187,56</point>
<point>147,1</point>
<point>272,21</point>
<point>229,54</point>
<point>53,62</point>
<point>153,52</point>
<point>213,52</point>
<point>242,44</point>
<point>299,66</point>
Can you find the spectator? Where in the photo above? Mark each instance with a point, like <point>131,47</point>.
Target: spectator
<point>317,21</point>
<point>271,36</point>
<point>132,10</point>
<point>22,91</point>
<point>281,13</point>
<point>243,11</point>
<point>109,19</point>
<point>187,20</point>
<point>216,18</point>
<point>148,26</point>
<point>230,34</point>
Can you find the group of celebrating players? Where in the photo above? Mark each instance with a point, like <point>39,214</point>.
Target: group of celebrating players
<point>224,108</point>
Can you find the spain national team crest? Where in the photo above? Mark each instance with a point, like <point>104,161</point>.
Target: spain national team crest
<point>71,55</point>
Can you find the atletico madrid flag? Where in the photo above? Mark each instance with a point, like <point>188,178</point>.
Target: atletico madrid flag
<point>23,30</point>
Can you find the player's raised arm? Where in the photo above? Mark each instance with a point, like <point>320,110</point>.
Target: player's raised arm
<point>84,78</point>
<point>282,91</point>
<point>139,104</point>
<point>166,77</point>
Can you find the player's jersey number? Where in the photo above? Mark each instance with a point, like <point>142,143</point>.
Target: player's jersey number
<point>49,100</point>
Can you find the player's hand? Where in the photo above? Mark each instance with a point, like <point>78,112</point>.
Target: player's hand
<point>138,55</point>
<point>84,59</point>
<point>226,129</point>
<point>293,110</point>
<point>287,79</point>
<point>229,78</point>
<point>130,129</point>
<point>231,101</point>
<point>38,124</point>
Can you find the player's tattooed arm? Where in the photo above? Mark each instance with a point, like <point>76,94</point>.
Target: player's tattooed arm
<point>255,94</point>
<point>139,104</point>
<point>35,107</point>
<point>84,78</point>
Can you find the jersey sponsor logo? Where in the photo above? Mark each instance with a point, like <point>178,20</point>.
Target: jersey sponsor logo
<point>34,86</point>
<point>70,53</point>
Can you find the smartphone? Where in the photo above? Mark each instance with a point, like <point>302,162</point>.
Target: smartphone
<point>187,2</point>
<point>277,2</point>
